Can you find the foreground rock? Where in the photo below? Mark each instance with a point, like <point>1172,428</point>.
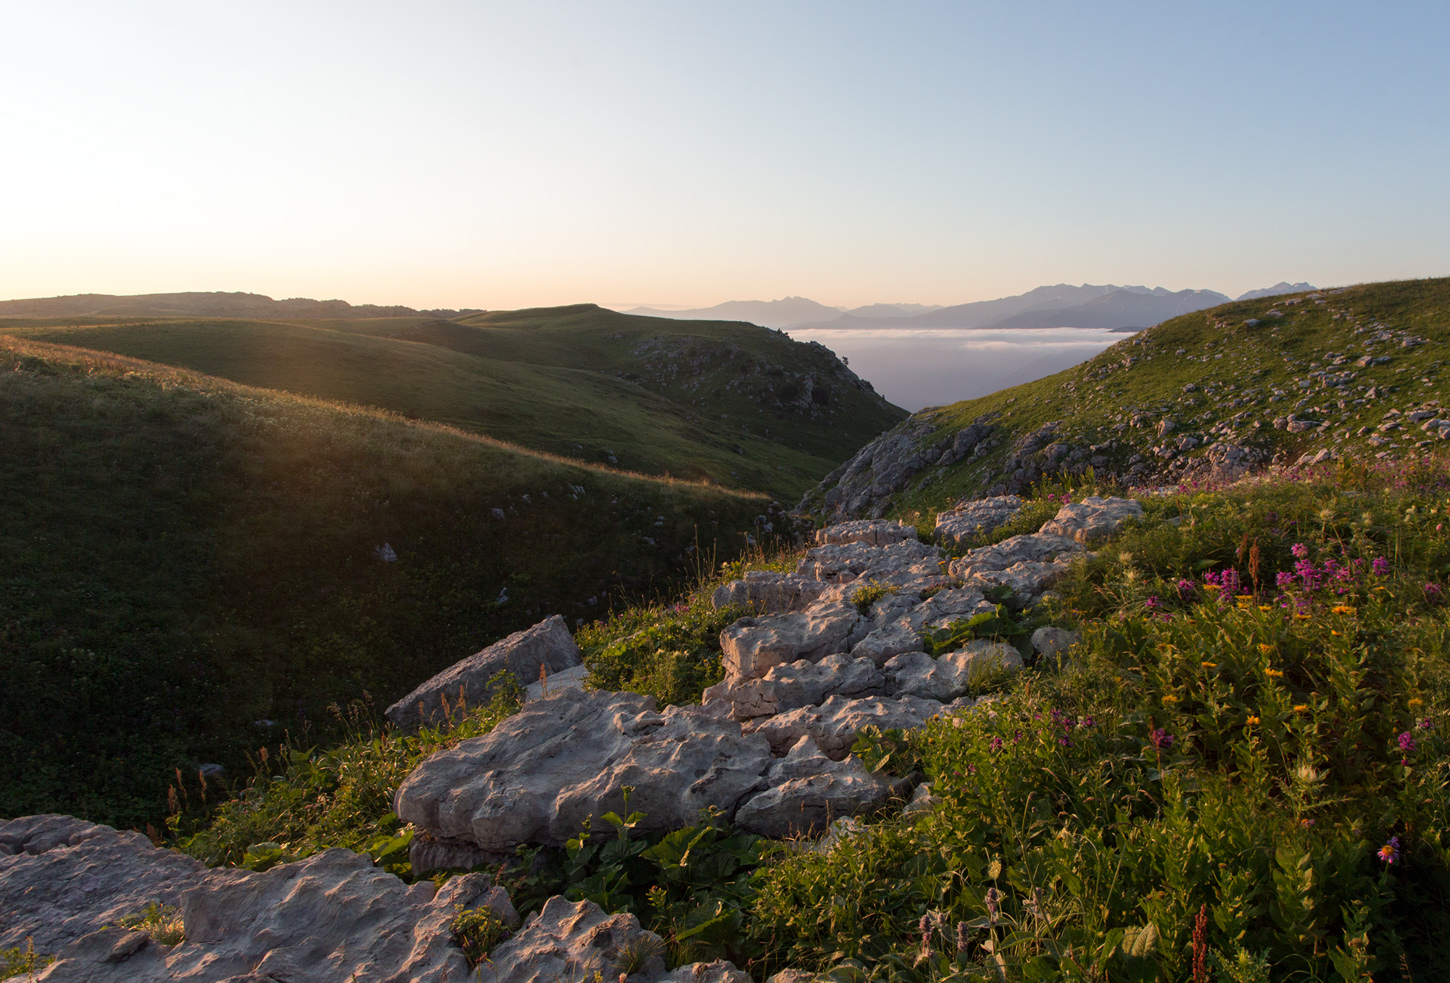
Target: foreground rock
<point>974,518</point>
<point>334,916</point>
<point>573,942</point>
<point>547,645</point>
<point>1093,518</point>
<point>539,775</point>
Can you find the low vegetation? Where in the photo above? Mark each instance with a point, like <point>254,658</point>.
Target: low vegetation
<point>1241,772</point>
<point>194,569</point>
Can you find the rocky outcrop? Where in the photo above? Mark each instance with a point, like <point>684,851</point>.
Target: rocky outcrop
<point>872,532</point>
<point>864,485</point>
<point>547,645</point>
<point>1093,518</point>
<point>768,592</point>
<point>973,518</point>
<point>539,775</point>
<point>577,941</point>
<point>808,791</point>
<point>65,885</point>
<point>834,724</point>
<point>751,646</point>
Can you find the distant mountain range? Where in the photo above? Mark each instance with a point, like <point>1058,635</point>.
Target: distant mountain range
<point>205,304</point>
<point>1059,306</point>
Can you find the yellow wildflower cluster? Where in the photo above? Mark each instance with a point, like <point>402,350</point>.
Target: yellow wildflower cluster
<point>1252,720</point>
<point>1342,609</point>
<point>1274,673</point>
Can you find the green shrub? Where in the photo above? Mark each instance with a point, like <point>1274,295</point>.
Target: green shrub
<point>476,931</point>
<point>161,922</point>
<point>16,961</point>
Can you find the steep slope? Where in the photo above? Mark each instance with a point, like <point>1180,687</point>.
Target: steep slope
<point>1351,372</point>
<point>732,403</point>
<point>193,567</point>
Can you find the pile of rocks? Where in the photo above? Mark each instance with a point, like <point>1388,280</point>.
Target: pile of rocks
<point>836,645</point>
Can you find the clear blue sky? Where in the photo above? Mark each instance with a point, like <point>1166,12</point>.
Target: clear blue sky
<point>511,154</point>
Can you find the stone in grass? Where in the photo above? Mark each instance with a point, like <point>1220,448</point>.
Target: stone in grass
<point>547,644</point>
<point>970,518</point>
<point>799,684</point>
<point>1049,641</point>
<point>768,592</point>
<point>1093,518</point>
<point>541,774</point>
<point>872,532</point>
<point>574,941</point>
<point>809,791</point>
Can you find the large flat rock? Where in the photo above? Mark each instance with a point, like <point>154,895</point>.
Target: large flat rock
<point>539,775</point>
<point>751,646</point>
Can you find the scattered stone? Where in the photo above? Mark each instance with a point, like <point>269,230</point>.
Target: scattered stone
<point>1093,518</point>
<point>977,517</point>
<point>1048,641</point>
<point>547,644</point>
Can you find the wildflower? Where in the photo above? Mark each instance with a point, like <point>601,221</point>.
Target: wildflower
<point>996,744</point>
<point>1186,589</point>
<point>1423,724</point>
<point>925,927</point>
<point>963,936</point>
<point>1390,852</point>
<point>1433,593</point>
<point>992,898</point>
<point>1415,701</point>
<point>1162,740</point>
<point>1265,648</point>
<point>1152,602</point>
<point>1274,673</point>
<point>1169,698</point>
<point>1301,707</point>
<point>1300,551</point>
<point>1342,609</point>
<point>1252,720</point>
<point>1380,566</point>
<point>1407,743</point>
<point>1284,579</point>
<point>1266,607</point>
<point>1209,665</point>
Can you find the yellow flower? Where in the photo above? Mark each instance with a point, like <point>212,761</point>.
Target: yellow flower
<point>1302,617</point>
<point>1342,609</point>
<point>1273,673</point>
<point>1266,607</point>
<point>1169,698</point>
<point>1300,707</point>
<point>1252,721</point>
<point>1333,632</point>
<point>1209,665</point>
<point>1266,649</point>
<point>1416,701</point>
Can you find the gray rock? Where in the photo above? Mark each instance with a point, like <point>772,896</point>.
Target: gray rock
<point>556,682</point>
<point>921,801</point>
<point>864,485</point>
<point>333,916</point>
<point>884,643</point>
<point>833,724</point>
<point>872,532</point>
<point>547,644</point>
<point>808,791</point>
<point>1092,518</point>
<point>1027,579</point>
<point>799,684</point>
<point>1027,564</point>
<point>908,563</point>
<point>945,607</point>
<point>970,518</point>
<point>751,646</point>
<point>536,777</point>
<point>574,942</point>
<point>768,592</point>
<point>954,674</point>
<point>1049,641</point>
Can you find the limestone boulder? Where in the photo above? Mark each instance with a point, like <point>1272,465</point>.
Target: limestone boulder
<point>946,607</point>
<point>808,791</point>
<point>556,682</point>
<point>872,532</point>
<point>547,644</point>
<point>1027,579</point>
<point>953,675</point>
<point>65,884</point>
<point>799,684</point>
<point>1093,518</point>
<point>1049,641</point>
<point>970,519</point>
<point>768,592</point>
<point>574,942</point>
<point>539,775</point>
<point>883,644</point>
<point>833,725</point>
<point>905,564</point>
<point>751,646</point>
<point>1040,547</point>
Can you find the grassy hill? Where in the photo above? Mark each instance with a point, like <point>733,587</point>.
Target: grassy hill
<point>727,402</point>
<point>193,567</point>
<point>1354,372</point>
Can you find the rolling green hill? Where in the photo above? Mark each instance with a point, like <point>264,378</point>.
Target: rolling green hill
<point>193,567</point>
<point>727,402</point>
<point>1326,375</point>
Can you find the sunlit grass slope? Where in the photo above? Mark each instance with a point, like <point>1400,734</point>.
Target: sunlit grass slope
<point>185,557</point>
<point>727,402</point>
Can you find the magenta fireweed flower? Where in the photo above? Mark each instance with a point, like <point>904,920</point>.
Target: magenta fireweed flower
<point>1186,589</point>
<point>1407,743</point>
<point>996,744</point>
<point>1300,551</point>
<point>1423,724</point>
<point>1380,566</point>
<point>1162,740</point>
<point>1152,603</point>
<point>1390,852</point>
<point>1284,579</point>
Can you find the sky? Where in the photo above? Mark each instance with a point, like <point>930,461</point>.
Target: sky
<point>503,155</point>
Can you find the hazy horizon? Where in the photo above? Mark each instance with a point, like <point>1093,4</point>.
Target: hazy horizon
<point>501,156</point>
